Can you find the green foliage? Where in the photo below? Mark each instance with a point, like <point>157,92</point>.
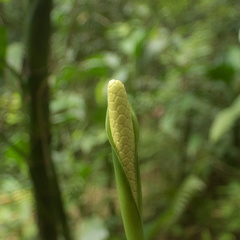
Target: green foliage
<point>190,187</point>
<point>225,120</point>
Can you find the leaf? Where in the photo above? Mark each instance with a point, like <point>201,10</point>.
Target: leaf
<point>134,44</point>
<point>69,108</point>
<point>99,64</point>
<point>223,71</point>
<point>14,55</point>
<point>93,229</point>
<point>100,93</point>
<point>233,56</point>
<point>17,152</point>
<point>225,120</point>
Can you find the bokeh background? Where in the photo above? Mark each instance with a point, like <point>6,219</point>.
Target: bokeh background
<point>180,63</point>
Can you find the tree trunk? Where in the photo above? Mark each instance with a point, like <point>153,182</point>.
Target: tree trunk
<point>49,207</point>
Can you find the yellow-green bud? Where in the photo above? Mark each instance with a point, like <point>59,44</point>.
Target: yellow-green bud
<point>122,131</point>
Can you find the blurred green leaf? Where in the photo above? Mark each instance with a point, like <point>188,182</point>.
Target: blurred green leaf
<point>227,236</point>
<point>67,74</point>
<point>17,152</point>
<point>14,55</point>
<point>159,40</point>
<point>92,229</point>
<point>225,120</point>
<point>224,72</point>
<point>69,108</point>
<point>98,65</point>
<point>101,92</point>
<point>133,45</point>
<point>233,57</point>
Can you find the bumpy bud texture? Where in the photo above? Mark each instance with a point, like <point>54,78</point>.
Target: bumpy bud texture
<point>122,130</point>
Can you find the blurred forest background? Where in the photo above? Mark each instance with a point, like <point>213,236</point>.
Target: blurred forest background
<point>180,63</point>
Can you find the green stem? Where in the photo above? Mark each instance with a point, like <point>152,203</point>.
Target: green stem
<point>131,216</point>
